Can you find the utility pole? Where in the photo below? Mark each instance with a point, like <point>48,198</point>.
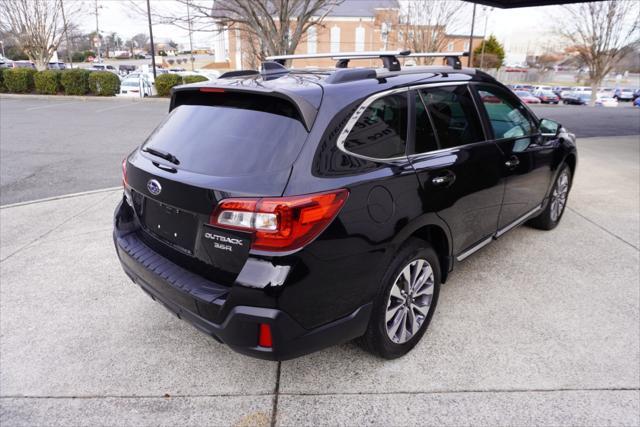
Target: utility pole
<point>473,22</point>
<point>153,52</point>
<point>66,34</point>
<point>484,36</point>
<point>2,44</point>
<point>191,58</point>
<point>97,39</point>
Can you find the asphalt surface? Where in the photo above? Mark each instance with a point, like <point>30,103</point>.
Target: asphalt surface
<point>538,328</point>
<point>55,146</point>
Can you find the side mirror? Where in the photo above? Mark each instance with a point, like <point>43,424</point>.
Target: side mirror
<point>549,128</point>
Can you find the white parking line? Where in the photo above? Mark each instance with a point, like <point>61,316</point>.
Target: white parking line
<point>64,196</point>
<point>52,105</point>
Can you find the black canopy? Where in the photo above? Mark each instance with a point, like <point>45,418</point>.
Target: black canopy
<point>510,4</point>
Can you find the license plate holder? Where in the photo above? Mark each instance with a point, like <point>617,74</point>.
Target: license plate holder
<point>172,224</point>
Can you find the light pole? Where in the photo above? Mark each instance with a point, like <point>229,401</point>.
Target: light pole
<point>97,39</point>
<point>484,42</point>
<point>66,34</point>
<point>190,36</point>
<point>473,22</point>
<point>153,52</point>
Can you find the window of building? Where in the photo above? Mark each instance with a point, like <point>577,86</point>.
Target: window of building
<point>450,47</point>
<point>453,114</point>
<point>335,39</point>
<point>312,40</point>
<point>381,131</point>
<point>360,33</point>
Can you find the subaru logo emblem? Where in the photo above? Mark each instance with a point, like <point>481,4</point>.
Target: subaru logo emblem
<point>154,187</point>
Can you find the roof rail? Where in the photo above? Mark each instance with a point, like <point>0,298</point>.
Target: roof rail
<point>389,58</point>
<point>452,58</point>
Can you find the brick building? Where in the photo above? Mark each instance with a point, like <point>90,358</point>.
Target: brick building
<point>352,26</point>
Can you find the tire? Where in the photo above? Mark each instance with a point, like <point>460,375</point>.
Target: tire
<point>552,213</point>
<point>418,255</point>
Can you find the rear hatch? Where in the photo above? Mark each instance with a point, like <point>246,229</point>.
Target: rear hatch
<point>219,145</point>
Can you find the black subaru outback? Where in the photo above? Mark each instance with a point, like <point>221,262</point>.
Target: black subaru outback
<point>284,211</point>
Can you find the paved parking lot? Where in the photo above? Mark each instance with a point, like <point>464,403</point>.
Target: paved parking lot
<point>59,146</point>
<point>537,328</point>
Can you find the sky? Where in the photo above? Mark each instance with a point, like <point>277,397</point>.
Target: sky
<point>520,30</point>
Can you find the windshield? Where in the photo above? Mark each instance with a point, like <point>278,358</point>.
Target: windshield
<point>227,141</point>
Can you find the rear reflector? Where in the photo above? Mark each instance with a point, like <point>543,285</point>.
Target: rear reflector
<point>124,172</point>
<point>280,224</point>
<point>264,336</point>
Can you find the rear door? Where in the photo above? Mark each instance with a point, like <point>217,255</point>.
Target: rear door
<point>459,171</point>
<point>527,158</point>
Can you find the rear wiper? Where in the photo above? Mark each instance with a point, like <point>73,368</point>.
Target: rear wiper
<point>162,154</point>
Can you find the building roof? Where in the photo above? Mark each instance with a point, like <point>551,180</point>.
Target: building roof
<point>362,8</point>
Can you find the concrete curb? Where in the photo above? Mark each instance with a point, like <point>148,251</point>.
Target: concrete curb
<point>80,98</point>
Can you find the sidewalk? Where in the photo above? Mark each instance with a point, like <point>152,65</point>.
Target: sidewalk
<point>537,328</point>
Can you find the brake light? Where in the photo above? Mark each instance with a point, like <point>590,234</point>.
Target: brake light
<point>212,89</point>
<point>264,336</point>
<point>280,224</point>
<point>124,172</point>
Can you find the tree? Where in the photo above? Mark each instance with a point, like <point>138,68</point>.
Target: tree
<point>601,33</point>
<point>140,40</point>
<point>425,23</point>
<point>547,61</point>
<point>273,27</point>
<point>37,27</point>
<point>493,53</point>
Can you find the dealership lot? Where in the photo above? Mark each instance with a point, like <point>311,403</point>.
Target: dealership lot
<point>539,327</point>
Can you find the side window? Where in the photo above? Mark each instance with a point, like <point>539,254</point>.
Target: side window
<point>453,114</point>
<point>508,117</point>
<point>381,131</point>
<point>425,137</point>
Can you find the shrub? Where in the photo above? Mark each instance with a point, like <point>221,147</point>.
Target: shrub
<point>75,82</point>
<point>194,79</point>
<point>47,82</point>
<point>164,83</point>
<point>19,80</point>
<point>2,86</point>
<point>104,83</point>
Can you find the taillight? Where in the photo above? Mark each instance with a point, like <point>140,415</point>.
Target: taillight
<point>280,224</point>
<point>124,172</point>
<point>264,335</point>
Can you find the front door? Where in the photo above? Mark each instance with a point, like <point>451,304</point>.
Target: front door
<point>526,157</point>
<point>458,170</point>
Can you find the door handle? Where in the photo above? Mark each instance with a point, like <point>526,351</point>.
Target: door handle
<point>443,179</point>
<point>512,162</point>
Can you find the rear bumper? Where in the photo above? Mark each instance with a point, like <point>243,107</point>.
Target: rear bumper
<point>200,301</point>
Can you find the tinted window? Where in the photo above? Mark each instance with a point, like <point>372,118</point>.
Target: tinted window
<point>508,117</point>
<point>223,141</point>
<point>453,115</point>
<point>425,138</point>
<point>381,131</point>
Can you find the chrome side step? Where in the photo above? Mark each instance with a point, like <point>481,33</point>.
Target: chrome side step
<point>499,233</point>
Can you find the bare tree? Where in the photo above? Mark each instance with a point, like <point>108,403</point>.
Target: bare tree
<point>425,24</point>
<point>602,33</point>
<point>37,26</point>
<point>274,27</point>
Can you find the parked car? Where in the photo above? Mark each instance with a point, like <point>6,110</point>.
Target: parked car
<point>23,64</point>
<point>606,101</point>
<point>577,98</point>
<point>125,69</point>
<point>623,94</point>
<point>636,94</point>
<point>331,206</point>
<point>546,96</point>
<point>103,67</point>
<point>558,90</point>
<point>56,66</point>
<point>526,87</point>
<point>636,102</point>
<point>137,86</point>
<point>542,88</point>
<point>527,97</point>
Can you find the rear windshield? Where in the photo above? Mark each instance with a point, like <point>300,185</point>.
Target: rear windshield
<point>228,140</point>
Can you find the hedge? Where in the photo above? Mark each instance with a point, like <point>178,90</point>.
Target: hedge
<point>164,83</point>
<point>2,87</point>
<point>104,83</point>
<point>19,80</point>
<point>48,82</point>
<point>194,79</point>
<point>75,82</point>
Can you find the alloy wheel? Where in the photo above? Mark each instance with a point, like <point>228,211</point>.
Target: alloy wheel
<point>559,195</point>
<point>409,301</point>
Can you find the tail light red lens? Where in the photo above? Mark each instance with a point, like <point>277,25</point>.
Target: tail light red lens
<point>280,224</point>
<point>264,336</point>
<point>124,172</point>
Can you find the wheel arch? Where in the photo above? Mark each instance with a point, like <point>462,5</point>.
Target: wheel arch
<point>434,230</point>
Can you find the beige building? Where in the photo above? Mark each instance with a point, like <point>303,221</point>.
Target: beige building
<point>352,26</point>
